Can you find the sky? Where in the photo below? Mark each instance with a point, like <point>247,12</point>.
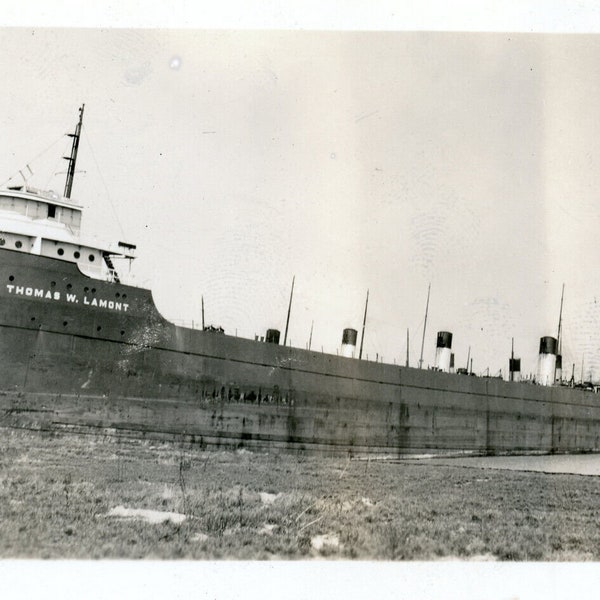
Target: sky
<point>384,161</point>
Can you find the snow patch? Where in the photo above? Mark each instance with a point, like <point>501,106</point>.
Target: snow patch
<point>267,529</point>
<point>318,542</point>
<point>167,493</point>
<point>144,514</point>
<point>267,498</point>
<point>473,558</point>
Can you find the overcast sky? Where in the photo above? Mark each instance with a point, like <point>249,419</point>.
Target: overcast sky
<point>382,161</point>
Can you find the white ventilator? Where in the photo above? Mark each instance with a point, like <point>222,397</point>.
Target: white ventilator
<point>443,351</point>
<point>349,343</point>
<point>546,361</point>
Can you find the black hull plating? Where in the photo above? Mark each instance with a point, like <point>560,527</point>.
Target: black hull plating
<point>80,353</point>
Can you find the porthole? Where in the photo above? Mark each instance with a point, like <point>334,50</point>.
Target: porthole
<point>117,295</point>
<point>122,332</point>
<point>93,290</point>
<point>18,244</point>
<point>11,278</point>
<point>32,319</point>
<point>86,289</point>
<point>124,296</point>
<point>2,241</point>
<point>60,251</point>
<point>53,284</point>
<point>69,286</point>
<point>92,258</point>
<point>65,323</point>
<point>99,328</point>
<point>76,254</point>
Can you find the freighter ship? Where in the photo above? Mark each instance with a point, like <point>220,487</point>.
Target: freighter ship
<point>81,351</point>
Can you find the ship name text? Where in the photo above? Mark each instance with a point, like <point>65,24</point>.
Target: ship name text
<point>45,294</point>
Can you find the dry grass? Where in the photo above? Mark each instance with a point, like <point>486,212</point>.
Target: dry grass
<point>56,493</point>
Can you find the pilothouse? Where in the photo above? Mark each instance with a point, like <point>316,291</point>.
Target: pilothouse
<point>48,224</point>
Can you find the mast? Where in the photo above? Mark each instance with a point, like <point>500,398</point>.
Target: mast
<point>558,340</point>
<point>310,337</point>
<point>558,365</point>
<point>424,328</point>
<point>289,310</point>
<point>202,313</point>
<point>73,158</point>
<point>511,375</point>
<point>407,346</point>
<point>362,337</point>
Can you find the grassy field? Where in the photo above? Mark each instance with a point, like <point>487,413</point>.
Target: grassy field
<point>69,496</point>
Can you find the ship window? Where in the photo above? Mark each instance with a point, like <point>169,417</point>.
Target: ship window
<point>60,251</point>
<point>11,278</point>
<point>37,210</point>
<point>2,241</point>
<point>98,328</point>
<point>18,205</point>
<point>69,286</point>
<point>65,323</point>
<point>122,332</point>
<point>18,244</point>
<point>51,211</point>
<point>92,258</point>
<point>76,254</point>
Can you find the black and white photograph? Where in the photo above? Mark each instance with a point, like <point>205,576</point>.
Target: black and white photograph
<point>300,300</point>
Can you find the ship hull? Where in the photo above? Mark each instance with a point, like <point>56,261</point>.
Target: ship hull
<point>85,355</point>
